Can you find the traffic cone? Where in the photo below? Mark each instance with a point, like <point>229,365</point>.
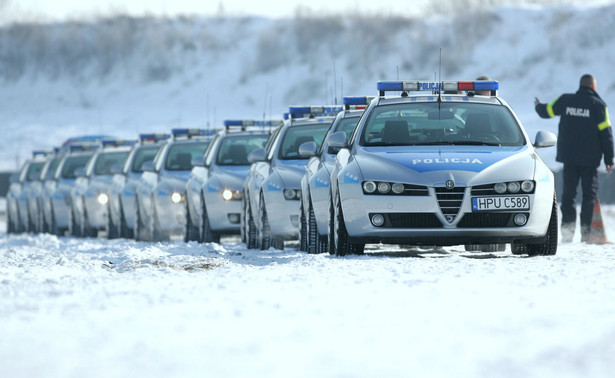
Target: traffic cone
<point>596,233</point>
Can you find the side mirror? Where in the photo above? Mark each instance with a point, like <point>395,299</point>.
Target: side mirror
<point>149,166</point>
<point>116,169</point>
<point>259,154</point>
<point>338,140</point>
<point>308,149</point>
<point>545,139</point>
<point>198,161</point>
<point>80,172</point>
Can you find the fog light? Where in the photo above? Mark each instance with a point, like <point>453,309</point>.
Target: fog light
<point>294,219</point>
<point>377,220</point>
<point>289,194</point>
<point>233,218</point>
<point>520,219</point>
<point>103,199</point>
<point>227,194</point>
<point>176,197</point>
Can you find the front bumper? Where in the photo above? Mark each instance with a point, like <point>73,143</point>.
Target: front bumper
<point>223,215</point>
<point>283,216</point>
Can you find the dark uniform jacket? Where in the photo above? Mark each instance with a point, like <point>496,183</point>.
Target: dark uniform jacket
<point>584,128</point>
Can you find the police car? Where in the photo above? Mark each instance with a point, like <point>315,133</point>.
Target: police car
<point>77,156</point>
<point>90,193</point>
<point>214,189</point>
<point>121,208</point>
<point>428,168</point>
<point>273,185</point>
<point>159,202</point>
<point>48,185</point>
<point>314,208</point>
<point>21,214</point>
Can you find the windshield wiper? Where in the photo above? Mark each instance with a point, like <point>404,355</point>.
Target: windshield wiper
<point>456,143</point>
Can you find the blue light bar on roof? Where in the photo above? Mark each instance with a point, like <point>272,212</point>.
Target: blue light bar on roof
<point>118,142</point>
<point>192,132</point>
<point>362,100</point>
<point>314,111</point>
<point>41,153</point>
<point>153,137</point>
<point>416,86</point>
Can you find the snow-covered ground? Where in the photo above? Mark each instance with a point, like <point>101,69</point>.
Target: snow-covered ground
<point>97,308</point>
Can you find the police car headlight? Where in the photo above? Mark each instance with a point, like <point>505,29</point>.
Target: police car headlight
<point>103,198</point>
<point>227,194</point>
<point>500,187</point>
<point>527,186</point>
<point>292,194</point>
<point>176,197</point>
<point>397,188</point>
<point>514,187</point>
<point>369,186</point>
<point>384,187</point>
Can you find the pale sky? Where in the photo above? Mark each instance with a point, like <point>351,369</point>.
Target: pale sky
<point>15,10</point>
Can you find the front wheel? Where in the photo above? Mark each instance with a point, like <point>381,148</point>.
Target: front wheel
<point>264,232</point>
<point>191,232</point>
<point>303,232</point>
<point>343,246</point>
<point>549,246</point>
<point>208,235</point>
<point>250,227</point>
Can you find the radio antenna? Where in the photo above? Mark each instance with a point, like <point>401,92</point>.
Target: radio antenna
<point>397,68</point>
<point>334,84</point>
<point>440,66</point>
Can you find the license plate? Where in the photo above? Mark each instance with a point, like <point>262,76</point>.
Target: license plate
<point>500,203</point>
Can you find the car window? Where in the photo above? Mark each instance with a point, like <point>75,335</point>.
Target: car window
<point>108,159</point>
<point>234,150</point>
<point>441,123</point>
<point>73,162</point>
<point>143,154</point>
<point>179,157</point>
<point>51,168</point>
<point>34,171</point>
<point>297,135</point>
<point>347,125</point>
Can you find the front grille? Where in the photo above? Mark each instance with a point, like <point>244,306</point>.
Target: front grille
<point>450,201</point>
<point>415,190</point>
<point>487,220</point>
<point>411,220</point>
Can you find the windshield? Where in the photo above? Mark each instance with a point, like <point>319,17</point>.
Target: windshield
<point>347,125</point>
<point>34,171</point>
<point>413,124</point>
<point>106,160</point>
<point>72,163</point>
<point>235,150</point>
<point>297,135</point>
<point>142,155</point>
<point>180,155</point>
<point>51,169</point>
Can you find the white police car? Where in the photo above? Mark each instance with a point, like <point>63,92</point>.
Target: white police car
<point>121,208</point>
<point>159,206</point>
<point>442,169</point>
<point>274,180</point>
<point>314,208</point>
<point>90,193</point>
<point>48,185</point>
<point>214,189</point>
<point>76,157</point>
<point>21,216</point>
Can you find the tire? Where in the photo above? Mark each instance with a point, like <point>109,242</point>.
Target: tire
<point>53,226</point>
<point>250,230</point>
<point>139,226</point>
<point>343,246</point>
<point>207,234</point>
<point>303,232</point>
<point>125,231</point>
<point>154,225</point>
<point>88,231</point>
<point>191,232</point>
<point>313,237</point>
<point>264,232</point>
<point>331,223</point>
<point>112,228</point>
<point>546,248</point>
<point>74,228</point>
<point>10,227</point>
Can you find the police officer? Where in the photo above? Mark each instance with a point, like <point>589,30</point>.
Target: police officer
<point>584,137</point>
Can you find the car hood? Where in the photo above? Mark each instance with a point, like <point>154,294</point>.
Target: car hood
<point>434,165</point>
<point>176,175</point>
<point>291,172</point>
<point>230,177</point>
